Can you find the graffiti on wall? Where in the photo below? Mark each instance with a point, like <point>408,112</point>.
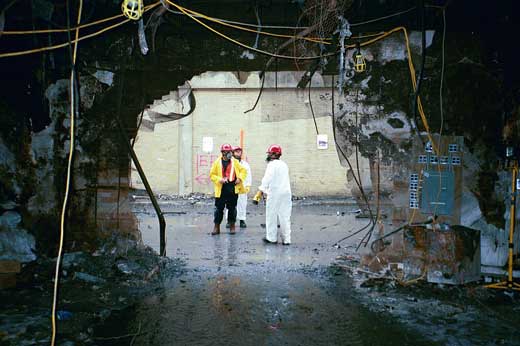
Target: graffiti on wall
<point>202,166</point>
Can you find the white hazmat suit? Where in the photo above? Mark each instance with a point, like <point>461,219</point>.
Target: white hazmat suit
<point>277,187</point>
<point>242,198</point>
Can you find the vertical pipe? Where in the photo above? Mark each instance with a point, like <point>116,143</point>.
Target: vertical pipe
<point>160,216</point>
<point>512,219</point>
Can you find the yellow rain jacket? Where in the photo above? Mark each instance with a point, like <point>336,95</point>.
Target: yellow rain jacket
<point>215,174</point>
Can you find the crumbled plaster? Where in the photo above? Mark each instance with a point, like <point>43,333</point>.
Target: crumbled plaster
<point>15,243</point>
<point>6,157</point>
<point>247,55</point>
<point>42,144</point>
<point>416,38</point>
<point>105,77</point>
<point>364,82</point>
<point>392,48</point>
<point>89,88</point>
<point>398,135</point>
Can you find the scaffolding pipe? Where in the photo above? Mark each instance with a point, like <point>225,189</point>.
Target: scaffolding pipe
<point>158,211</point>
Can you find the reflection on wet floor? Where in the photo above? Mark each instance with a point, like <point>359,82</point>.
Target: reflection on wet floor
<point>256,307</point>
<point>239,291</point>
<point>314,230</point>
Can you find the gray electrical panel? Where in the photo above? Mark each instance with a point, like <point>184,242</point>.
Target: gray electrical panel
<point>438,193</point>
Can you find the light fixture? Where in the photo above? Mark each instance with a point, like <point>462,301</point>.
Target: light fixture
<point>132,9</point>
<point>360,64</point>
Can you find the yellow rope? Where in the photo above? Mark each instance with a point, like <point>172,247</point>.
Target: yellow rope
<point>61,45</point>
<point>180,8</point>
<point>311,39</point>
<point>365,36</point>
<point>67,186</point>
<point>47,31</point>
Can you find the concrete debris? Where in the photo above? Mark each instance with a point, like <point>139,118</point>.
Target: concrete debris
<point>247,55</point>
<point>6,156</point>
<point>88,278</point>
<point>8,205</point>
<point>15,243</point>
<point>63,315</point>
<point>129,267</point>
<point>105,77</point>
<point>10,220</point>
<point>72,259</point>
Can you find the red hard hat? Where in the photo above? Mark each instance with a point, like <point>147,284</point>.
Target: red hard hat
<point>237,147</point>
<point>226,147</point>
<point>274,149</point>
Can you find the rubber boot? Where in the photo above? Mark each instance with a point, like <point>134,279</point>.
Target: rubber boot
<point>232,228</point>
<point>216,229</point>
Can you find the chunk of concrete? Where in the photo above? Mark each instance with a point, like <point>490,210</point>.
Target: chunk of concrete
<point>10,220</point>
<point>16,244</point>
<point>8,205</point>
<point>88,278</point>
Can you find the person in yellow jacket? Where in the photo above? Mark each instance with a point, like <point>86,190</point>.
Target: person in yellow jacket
<point>228,178</point>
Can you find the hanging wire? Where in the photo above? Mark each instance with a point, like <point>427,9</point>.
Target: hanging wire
<point>442,69</point>
<point>68,179</point>
<point>310,104</point>
<point>82,26</point>
<point>243,45</point>
<point>358,183</point>
<point>262,75</point>
<point>259,26</point>
<point>384,17</point>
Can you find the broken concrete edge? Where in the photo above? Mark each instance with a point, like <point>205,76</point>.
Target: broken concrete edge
<point>139,196</point>
<point>420,254</point>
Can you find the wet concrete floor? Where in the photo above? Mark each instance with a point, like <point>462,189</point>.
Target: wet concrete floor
<point>238,291</point>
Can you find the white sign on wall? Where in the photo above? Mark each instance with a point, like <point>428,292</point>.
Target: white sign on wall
<point>207,144</point>
<point>322,141</point>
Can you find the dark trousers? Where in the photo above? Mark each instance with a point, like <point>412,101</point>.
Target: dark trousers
<point>228,199</point>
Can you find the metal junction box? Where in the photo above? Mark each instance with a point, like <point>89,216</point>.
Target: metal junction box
<point>438,192</point>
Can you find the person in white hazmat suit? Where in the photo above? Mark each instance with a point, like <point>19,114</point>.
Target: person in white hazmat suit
<point>242,198</point>
<point>276,186</point>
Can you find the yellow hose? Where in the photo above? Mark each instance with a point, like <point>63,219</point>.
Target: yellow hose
<point>67,186</point>
<point>83,26</point>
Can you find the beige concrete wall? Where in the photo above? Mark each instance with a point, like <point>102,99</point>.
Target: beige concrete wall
<point>283,116</point>
<point>158,153</point>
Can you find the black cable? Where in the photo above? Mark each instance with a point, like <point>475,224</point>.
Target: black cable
<point>358,183</point>
<point>143,104</point>
<point>310,104</point>
<point>386,236</point>
<point>67,8</point>
<point>368,236</point>
<point>353,234</point>
<point>398,230</point>
<point>262,75</point>
<point>351,168</point>
<point>357,137</point>
<point>75,81</point>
